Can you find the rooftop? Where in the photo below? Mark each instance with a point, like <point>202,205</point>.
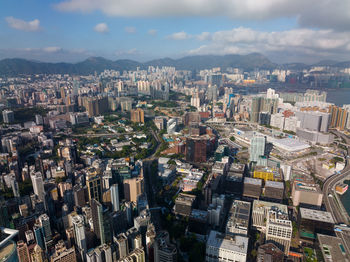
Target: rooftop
<point>233,243</point>
<point>290,144</point>
<point>239,215</point>
<point>253,181</point>
<point>199,214</point>
<point>332,248</point>
<point>316,215</point>
<point>261,205</point>
<point>274,184</point>
<point>307,187</point>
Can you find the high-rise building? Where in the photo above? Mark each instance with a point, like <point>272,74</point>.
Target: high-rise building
<point>122,245</point>
<point>8,116</point>
<point>96,105</point>
<point>159,121</point>
<point>44,221</point>
<point>79,196</point>
<point>115,197</point>
<point>79,234</point>
<point>164,250</point>
<point>137,115</point>
<point>101,221</point>
<point>196,150</point>
<point>338,117</point>
<point>37,254</point>
<point>257,150</point>
<point>262,104</point>
<point>191,118</point>
<point>195,100</point>
<point>39,236</point>
<point>4,216</point>
<point>94,185</point>
<point>22,252</point>
<point>133,187</point>
<point>39,120</point>
<point>38,185</point>
<point>62,254</point>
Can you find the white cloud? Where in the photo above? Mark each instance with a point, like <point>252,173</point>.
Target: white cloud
<point>241,40</point>
<point>19,24</point>
<point>52,49</point>
<point>152,32</point>
<point>179,36</point>
<point>130,52</point>
<point>130,29</point>
<point>315,13</point>
<point>204,36</point>
<point>101,28</point>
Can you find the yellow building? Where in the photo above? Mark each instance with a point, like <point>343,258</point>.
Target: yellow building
<point>267,174</point>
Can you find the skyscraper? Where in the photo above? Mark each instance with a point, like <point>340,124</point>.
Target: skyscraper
<point>137,115</point>
<point>22,252</point>
<point>257,150</point>
<point>37,255</point>
<point>133,187</point>
<point>4,217</point>
<point>101,221</point>
<point>38,185</point>
<point>262,104</point>
<point>46,229</point>
<point>8,116</point>
<point>79,234</point>
<point>62,254</point>
<point>338,117</point>
<point>94,185</point>
<point>115,197</point>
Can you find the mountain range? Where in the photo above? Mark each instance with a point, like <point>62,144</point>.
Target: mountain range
<point>17,66</point>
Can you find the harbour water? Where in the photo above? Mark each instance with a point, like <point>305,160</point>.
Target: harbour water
<point>345,199</point>
<point>339,97</point>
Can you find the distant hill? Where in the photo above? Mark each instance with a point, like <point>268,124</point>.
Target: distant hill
<point>16,66</point>
<point>21,66</point>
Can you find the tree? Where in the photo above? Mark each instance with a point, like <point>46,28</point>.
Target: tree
<point>232,138</point>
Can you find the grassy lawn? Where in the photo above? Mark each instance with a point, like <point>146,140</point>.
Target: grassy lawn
<point>310,255</point>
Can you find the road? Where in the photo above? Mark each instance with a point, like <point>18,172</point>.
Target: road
<point>332,205</point>
<point>149,183</point>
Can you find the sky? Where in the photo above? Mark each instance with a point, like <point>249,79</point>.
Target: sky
<point>72,30</point>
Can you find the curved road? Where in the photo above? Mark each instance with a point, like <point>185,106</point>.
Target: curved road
<point>332,205</point>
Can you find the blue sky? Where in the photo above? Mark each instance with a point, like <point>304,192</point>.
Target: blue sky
<point>72,30</point>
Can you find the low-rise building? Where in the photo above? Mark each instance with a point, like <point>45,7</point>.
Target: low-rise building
<point>238,218</point>
<point>268,173</point>
<point>312,222</point>
<point>273,191</point>
<point>306,194</point>
<point>183,204</point>
<point>252,187</point>
<point>332,248</point>
<point>221,247</point>
<point>272,219</point>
